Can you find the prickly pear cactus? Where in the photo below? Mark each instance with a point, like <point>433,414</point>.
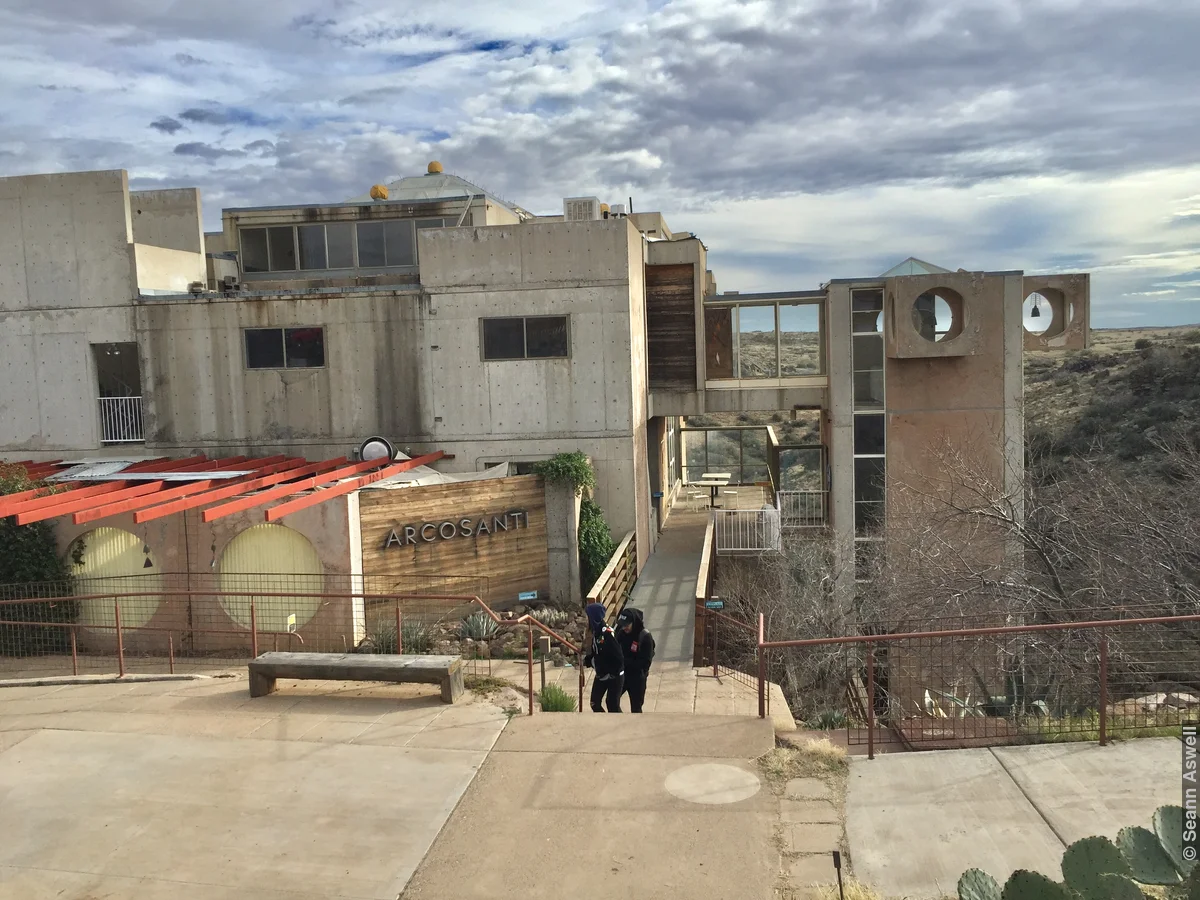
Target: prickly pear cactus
<point>1026,885</point>
<point>1119,887</point>
<point>1168,826</point>
<point>1086,861</point>
<point>976,884</point>
<point>1147,859</point>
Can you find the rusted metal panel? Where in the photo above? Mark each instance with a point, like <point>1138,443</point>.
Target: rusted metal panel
<point>671,327</point>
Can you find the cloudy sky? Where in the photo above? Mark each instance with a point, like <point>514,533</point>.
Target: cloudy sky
<point>802,140</point>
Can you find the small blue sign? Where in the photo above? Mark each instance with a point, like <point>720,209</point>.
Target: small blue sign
<point>714,604</point>
<point>527,595</point>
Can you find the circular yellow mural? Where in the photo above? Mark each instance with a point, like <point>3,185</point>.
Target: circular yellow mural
<point>275,560</point>
<point>113,561</point>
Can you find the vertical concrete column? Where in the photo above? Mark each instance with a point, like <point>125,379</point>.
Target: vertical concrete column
<point>562,543</point>
<point>841,426</point>
<point>1014,400</point>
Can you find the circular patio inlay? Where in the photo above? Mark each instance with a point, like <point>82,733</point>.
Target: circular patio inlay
<point>712,783</point>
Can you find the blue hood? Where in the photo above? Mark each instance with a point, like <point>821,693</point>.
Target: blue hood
<point>596,613</point>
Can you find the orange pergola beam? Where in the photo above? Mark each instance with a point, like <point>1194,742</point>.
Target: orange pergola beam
<point>295,505</point>
<point>111,508</point>
<point>71,505</point>
<point>236,506</point>
<point>45,501</point>
<point>232,490</point>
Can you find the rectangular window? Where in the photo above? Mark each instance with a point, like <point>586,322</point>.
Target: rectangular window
<point>339,239</point>
<point>868,353</point>
<point>546,337</point>
<point>398,242</point>
<point>370,245</point>
<point>799,339</point>
<point>866,311</point>
<point>756,342</point>
<point>312,247</point>
<point>285,348</point>
<point>254,250</point>
<point>868,390</point>
<point>537,337</point>
<point>283,248</point>
<point>868,435</point>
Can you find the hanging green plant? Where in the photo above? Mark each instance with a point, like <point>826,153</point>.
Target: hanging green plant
<point>572,469</point>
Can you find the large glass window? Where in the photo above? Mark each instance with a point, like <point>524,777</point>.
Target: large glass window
<point>868,362</point>
<point>757,348</point>
<point>371,245</point>
<point>312,247</point>
<point>799,339</point>
<point>285,348</point>
<point>740,452</point>
<point>283,248</point>
<point>254,250</point>
<point>398,243</point>
<point>339,239</point>
<point>763,340</point>
<point>534,337</point>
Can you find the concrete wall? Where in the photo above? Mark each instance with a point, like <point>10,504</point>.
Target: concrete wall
<point>593,401</point>
<point>839,431</point>
<point>168,271</point>
<point>168,218</point>
<point>65,241</point>
<point>201,397</point>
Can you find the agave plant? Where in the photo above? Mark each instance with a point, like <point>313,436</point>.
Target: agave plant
<point>1097,869</point>
<point>478,627</point>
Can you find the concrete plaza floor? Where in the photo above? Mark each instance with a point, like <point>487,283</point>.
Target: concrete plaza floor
<point>596,807</point>
<point>192,790</point>
<point>916,821</point>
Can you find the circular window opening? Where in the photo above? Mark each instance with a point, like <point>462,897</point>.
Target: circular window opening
<point>113,561</point>
<point>1037,313</point>
<point>283,565</point>
<point>937,315</point>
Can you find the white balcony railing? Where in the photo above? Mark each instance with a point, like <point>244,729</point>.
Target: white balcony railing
<point>747,530</point>
<point>121,420</point>
<point>803,509</point>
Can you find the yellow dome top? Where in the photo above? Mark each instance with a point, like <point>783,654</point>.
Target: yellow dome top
<point>379,192</point>
<point>435,168</point>
<point>604,208</point>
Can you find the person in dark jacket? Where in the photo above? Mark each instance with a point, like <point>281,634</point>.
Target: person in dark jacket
<point>606,659</point>
<point>637,644</point>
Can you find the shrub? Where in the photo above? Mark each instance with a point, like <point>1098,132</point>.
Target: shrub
<point>568,468</point>
<point>827,720</point>
<point>478,627</point>
<point>555,699</point>
<point>28,555</point>
<point>1143,344</point>
<point>596,545</point>
<point>1192,337</point>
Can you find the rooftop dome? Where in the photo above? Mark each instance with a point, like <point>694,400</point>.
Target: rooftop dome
<point>435,168</point>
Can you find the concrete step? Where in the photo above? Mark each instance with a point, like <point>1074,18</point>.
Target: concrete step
<point>661,734</point>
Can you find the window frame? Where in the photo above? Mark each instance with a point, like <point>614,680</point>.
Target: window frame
<point>283,329</point>
<point>566,318</point>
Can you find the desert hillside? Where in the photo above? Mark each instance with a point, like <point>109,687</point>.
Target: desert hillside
<point>1130,388</point>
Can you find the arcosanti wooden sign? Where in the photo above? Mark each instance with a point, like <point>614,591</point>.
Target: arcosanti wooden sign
<point>428,532</point>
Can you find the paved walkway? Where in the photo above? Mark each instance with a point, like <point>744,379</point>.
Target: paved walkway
<point>194,791</point>
<point>603,807</point>
<point>666,589</point>
<point>916,821</point>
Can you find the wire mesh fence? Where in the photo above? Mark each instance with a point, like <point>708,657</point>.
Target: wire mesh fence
<point>973,682</point>
<point>176,622</point>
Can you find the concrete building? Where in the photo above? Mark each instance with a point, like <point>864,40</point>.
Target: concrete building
<point>433,313</point>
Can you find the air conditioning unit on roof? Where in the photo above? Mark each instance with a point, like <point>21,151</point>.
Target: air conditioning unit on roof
<point>581,209</point>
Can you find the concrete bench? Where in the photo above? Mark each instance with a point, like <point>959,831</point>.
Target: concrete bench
<point>441,670</point>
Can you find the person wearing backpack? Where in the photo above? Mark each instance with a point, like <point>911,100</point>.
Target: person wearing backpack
<point>638,646</point>
<point>606,660</point>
